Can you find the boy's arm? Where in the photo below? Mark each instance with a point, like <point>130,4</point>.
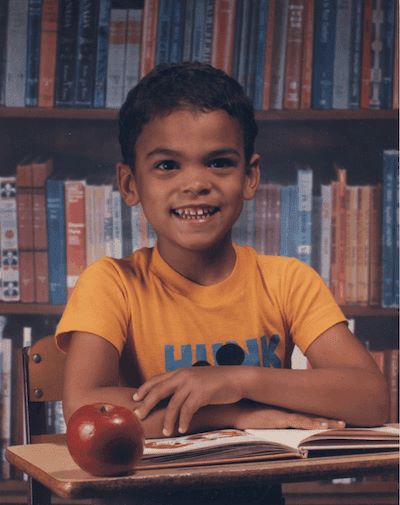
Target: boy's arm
<point>92,375</point>
<point>344,383</point>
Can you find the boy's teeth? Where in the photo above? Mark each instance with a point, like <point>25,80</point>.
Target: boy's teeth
<point>190,213</point>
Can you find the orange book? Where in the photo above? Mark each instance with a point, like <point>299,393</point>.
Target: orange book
<point>294,55</point>
<point>268,55</point>
<point>363,243</point>
<point>149,36</point>
<point>337,283</point>
<point>48,50</point>
<point>308,45</point>
<point>223,35</point>
<point>351,245</point>
<point>366,55</point>
<point>375,246</point>
<point>41,268</point>
<point>75,230</point>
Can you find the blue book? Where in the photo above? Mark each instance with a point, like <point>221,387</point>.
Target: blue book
<point>208,32</point>
<point>288,224</point>
<point>293,221</point>
<point>323,56</point>
<point>163,31</point>
<point>341,65</point>
<point>390,165</point>
<point>260,54</point>
<point>33,52</point>
<point>66,53</point>
<point>56,241</point>
<point>252,49</point>
<point>249,234</point>
<point>188,30</point>
<point>242,42</point>
<point>100,80</point>
<point>387,55</point>
<point>304,213</point>
<point>355,53</point>
<point>177,31</point>
<point>86,53</point>
<point>198,30</point>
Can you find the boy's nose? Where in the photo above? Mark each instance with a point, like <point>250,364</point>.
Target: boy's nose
<point>196,183</point>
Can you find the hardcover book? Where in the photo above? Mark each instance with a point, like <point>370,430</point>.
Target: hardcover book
<point>48,53</point>
<point>33,48</point>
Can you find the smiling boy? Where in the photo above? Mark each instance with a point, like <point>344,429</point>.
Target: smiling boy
<point>134,327</point>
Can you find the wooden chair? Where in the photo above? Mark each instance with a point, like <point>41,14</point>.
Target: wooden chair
<point>43,368</point>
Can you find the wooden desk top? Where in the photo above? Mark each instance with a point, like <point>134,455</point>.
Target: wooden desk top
<point>51,464</point>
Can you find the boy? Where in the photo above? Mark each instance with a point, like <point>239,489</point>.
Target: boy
<point>134,327</point>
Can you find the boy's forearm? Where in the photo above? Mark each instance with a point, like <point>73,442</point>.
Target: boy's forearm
<point>355,395</point>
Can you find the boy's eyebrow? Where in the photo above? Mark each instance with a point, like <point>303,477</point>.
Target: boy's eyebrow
<point>171,152</point>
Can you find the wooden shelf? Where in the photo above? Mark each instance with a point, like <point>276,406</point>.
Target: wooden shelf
<point>270,115</point>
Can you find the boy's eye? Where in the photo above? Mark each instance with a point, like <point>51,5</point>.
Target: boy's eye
<point>221,163</point>
<point>166,165</point>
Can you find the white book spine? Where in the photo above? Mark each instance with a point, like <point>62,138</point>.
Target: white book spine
<point>108,220</point>
<point>116,224</point>
<point>116,58</point>
<point>135,223</point>
<point>326,232</point>
<point>90,218</point>
<point>6,346</point>
<point>16,53</point>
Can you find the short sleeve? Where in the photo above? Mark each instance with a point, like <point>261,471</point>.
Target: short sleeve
<point>98,304</point>
<point>311,307</point>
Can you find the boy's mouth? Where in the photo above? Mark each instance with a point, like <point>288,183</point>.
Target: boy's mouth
<point>194,213</point>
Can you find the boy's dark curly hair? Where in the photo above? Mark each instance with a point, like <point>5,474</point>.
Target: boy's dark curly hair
<point>191,85</point>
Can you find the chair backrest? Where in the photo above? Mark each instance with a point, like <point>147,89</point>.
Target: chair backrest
<point>43,368</point>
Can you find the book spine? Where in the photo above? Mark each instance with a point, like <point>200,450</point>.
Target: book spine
<point>250,78</point>
<point>275,191</point>
<point>366,54</point>
<point>86,53</point>
<point>132,50</point>
<point>41,267</point>
<point>338,236</point>
<point>268,55</point>
<point>208,32</point>
<point>198,29</point>
<point>351,245</point>
<point>3,48</point>
<point>294,55</point>
<point>177,32</point>
<point>149,36</point>
<point>387,60</point>
<point>135,228</point>
<point>293,221</point>
<point>278,54</point>
<point>33,49</point>
<point>355,53</point>
<point>261,217</point>
<point>284,225</point>
<point>163,31</point>
<point>375,244</point>
<point>261,46</point>
<point>396,224</point>
<point>341,63</point>
<point>305,186</point>
<point>99,217</point>
<point>391,369</point>
<point>90,233</point>
<point>9,240</point>
<point>55,207</point>
<point>108,220</point>
<point>17,38</point>
<point>326,232</point>
<point>116,56</point>
<point>66,53</point>
<point>126,215</point>
<point>116,201</point>
<point>188,30</point>
<point>75,230</point>
<point>324,46</point>
<point>363,243</point>
<point>48,46</point>
<point>388,206</point>
<point>6,412</point>
<point>376,55</point>
<point>308,43</point>
<point>395,91</point>
<point>316,233</point>
<point>100,79</point>
<point>223,36</point>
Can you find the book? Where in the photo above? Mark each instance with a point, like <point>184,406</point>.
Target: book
<point>149,37</point>
<point>254,28</point>
<point>391,371</point>
<point>278,54</point>
<point>66,53</point>
<point>353,225</point>
<point>316,233</point>
<point>366,54</point>
<point>355,54</point>
<point>86,52</point>
<point>16,52</point>
<point>342,54</point>
<point>304,214</point>
<point>6,390</point>
<point>116,56</point>
<point>132,49</point>
<point>177,31</point>
<point>387,62</point>
<point>202,31</point>
<point>188,23</point>
<point>229,445</point>
<point>272,229</point>
<point>223,35</point>
<point>33,52</point>
<point>242,40</point>
<point>9,240</point>
<point>267,75</point>
<point>308,44</point>
<point>48,53</point>
<point>375,247</point>
<point>294,55</point>
<point>363,244</point>
<point>260,51</point>
<point>338,241</point>
<point>164,23</point>
<point>326,232</point>
<point>100,78</point>
<point>3,48</point>
<point>323,58</point>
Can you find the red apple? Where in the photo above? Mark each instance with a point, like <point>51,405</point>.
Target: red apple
<point>105,439</point>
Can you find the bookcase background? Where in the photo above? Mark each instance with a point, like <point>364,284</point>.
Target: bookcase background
<point>87,140</point>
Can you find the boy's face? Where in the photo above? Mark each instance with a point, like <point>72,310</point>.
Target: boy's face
<point>191,178</point>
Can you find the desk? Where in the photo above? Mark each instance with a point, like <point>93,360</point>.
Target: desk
<point>51,464</point>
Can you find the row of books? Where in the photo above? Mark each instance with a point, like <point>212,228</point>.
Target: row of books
<point>288,54</point>
<point>52,227</point>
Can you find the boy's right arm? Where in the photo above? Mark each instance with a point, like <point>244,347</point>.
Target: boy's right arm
<point>92,375</point>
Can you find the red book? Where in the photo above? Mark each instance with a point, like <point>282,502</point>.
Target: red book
<point>308,43</point>
<point>48,49</point>
<point>338,275</point>
<point>294,54</point>
<point>75,230</point>
<point>268,55</point>
<point>375,245</point>
<point>149,37</point>
<point>366,55</point>
<point>223,35</point>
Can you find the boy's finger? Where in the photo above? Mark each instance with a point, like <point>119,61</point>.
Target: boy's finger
<point>172,412</point>
<point>142,390</point>
<point>152,398</point>
<point>188,409</point>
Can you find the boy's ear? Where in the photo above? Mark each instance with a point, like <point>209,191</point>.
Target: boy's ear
<point>252,177</point>
<point>127,184</point>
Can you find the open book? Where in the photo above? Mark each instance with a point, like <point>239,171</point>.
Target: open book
<point>231,445</point>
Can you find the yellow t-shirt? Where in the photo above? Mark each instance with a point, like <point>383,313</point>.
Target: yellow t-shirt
<point>159,321</point>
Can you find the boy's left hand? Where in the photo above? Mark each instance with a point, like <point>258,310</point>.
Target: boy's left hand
<point>189,389</point>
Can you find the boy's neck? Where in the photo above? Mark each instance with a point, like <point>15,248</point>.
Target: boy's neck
<point>203,267</point>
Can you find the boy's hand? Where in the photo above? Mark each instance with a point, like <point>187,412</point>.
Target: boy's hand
<point>256,416</point>
<point>189,389</point>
